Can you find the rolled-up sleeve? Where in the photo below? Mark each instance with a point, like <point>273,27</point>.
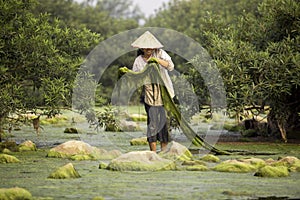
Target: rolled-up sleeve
<point>166,57</point>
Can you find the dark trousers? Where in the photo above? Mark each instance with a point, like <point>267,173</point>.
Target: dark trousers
<point>157,128</point>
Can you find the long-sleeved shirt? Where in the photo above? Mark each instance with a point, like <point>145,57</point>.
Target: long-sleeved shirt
<point>152,91</point>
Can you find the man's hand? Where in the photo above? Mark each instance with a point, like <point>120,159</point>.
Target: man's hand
<point>122,71</point>
<point>162,62</point>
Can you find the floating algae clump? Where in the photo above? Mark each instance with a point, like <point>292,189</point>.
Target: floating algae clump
<point>256,162</point>
<point>193,162</point>
<point>139,141</point>
<point>64,172</point>
<point>103,165</point>
<point>192,165</point>
<point>291,162</point>
<point>196,168</point>
<point>71,130</point>
<point>58,120</point>
<point>286,161</point>
<point>141,161</point>
<point>4,158</point>
<point>176,151</point>
<point>234,166</point>
<point>295,167</point>
<point>5,150</point>
<point>71,148</point>
<point>272,171</point>
<point>14,193</point>
<point>82,157</point>
<point>78,150</point>
<point>210,158</point>
<point>98,198</point>
<point>27,146</point>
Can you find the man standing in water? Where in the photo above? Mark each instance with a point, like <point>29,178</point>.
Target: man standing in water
<point>157,127</point>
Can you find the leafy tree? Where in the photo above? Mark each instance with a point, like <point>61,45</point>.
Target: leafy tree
<point>263,56</point>
<point>39,59</point>
<point>194,17</point>
<point>255,44</point>
<point>101,16</point>
<point>203,21</point>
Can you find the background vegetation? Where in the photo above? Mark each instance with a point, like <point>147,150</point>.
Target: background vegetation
<point>255,44</point>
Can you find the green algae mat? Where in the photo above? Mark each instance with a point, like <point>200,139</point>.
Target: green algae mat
<point>32,172</point>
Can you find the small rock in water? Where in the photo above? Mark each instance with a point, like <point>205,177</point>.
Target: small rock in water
<point>272,171</point>
<point>14,193</point>
<point>65,172</point>
<point>234,166</point>
<point>176,151</point>
<point>210,158</point>
<point>78,150</point>
<point>139,141</point>
<point>140,161</point>
<point>27,146</point>
<point>71,130</point>
<point>5,158</point>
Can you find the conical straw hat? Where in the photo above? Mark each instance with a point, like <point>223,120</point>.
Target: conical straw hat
<point>147,41</point>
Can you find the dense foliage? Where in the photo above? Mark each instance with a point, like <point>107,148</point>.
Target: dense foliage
<point>100,16</point>
<point>105,17</point>
<point>255,44</point>
<point>39,58</point>
<point>42,45</point>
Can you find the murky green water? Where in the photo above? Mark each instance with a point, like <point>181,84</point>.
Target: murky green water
<point>34,168</point>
